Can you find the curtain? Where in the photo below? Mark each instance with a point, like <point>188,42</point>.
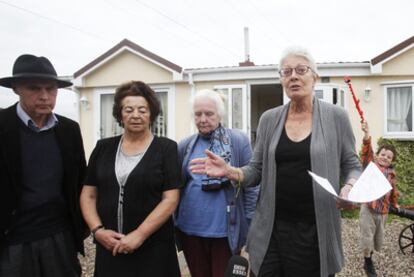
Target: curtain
<point>234,117</point>
<point>237,108</point>
<point>399,104</point>
<point>160,124</point>
<point>109,126</point>
<point>225,96</point>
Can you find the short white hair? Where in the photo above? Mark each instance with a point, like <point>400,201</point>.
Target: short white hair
<point>298,51</point>
<point>212,95</point>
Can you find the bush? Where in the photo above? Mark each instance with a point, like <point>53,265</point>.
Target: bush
<point>404,167</point>
<point>351,214</point>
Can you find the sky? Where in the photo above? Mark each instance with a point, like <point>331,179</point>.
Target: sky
<point>201,33</point>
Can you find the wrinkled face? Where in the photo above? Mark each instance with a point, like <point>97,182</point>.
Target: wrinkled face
<point>384,157</point>
<point>206,115</point>
<point>37,97</point>
<point>298,86</point>
<point>135,114</point>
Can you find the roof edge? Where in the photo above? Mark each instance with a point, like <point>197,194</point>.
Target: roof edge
<point>133,46</point>
<point>392,51</point>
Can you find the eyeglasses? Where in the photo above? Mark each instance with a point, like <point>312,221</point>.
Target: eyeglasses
<point>300,69</point>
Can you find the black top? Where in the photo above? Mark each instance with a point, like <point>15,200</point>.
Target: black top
<point>294,191</point>
<point>157,172</point>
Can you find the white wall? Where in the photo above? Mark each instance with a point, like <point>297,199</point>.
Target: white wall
<point>67,103</point>
<point>7,97</point>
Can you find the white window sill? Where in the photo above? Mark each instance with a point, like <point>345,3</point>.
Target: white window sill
<point>399,136</point>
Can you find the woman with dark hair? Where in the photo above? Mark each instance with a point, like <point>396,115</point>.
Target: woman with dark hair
<point>131,190</point>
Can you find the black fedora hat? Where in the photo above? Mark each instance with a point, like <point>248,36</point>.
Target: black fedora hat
<point>31,67</point>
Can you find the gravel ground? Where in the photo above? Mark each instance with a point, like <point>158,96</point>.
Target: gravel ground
<point>390,262</point>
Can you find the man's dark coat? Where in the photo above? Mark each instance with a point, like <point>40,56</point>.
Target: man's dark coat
<point>70,142</point>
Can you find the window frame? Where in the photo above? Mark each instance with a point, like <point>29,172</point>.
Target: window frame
<point>229,108</point>
<point>170,124</point>
<point>398,135</point>
<point>327,90</point>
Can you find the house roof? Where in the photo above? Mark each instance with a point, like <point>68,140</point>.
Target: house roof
<point>133,46</point>
<point>396,49</point>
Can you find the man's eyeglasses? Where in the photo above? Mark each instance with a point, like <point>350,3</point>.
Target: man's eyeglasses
<point>300,70</point>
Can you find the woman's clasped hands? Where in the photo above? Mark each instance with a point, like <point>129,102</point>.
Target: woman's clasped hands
<point>119,243</point>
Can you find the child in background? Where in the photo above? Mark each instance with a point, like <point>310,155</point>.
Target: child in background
<point>374,214</point>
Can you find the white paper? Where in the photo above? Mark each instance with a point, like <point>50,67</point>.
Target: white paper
<point>370,186</point>
<point>324,183</point>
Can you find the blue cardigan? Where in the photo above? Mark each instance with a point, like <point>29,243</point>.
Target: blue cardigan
<point>246,201</point>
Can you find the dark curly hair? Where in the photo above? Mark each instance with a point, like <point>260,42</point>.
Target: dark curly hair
<point>135,88</point>
<point>389,147</point>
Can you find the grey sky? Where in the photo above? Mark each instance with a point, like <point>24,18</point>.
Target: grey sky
<point>201,33</point>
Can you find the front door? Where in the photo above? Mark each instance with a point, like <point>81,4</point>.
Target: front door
<point>262,97</point>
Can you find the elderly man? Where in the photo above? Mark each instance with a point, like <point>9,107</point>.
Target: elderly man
<point>42,166</point>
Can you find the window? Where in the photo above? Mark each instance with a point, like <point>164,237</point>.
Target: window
<point>109,126</point>
<point>331,93</point>
<point>160,125</point>
<point>319,94</point>
<point>235,107</point>
<point>399,110</point>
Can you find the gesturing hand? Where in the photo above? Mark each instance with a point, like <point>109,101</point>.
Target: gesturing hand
<point>212,165</point>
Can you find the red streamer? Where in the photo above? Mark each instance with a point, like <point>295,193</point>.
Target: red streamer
<point>347,80</point>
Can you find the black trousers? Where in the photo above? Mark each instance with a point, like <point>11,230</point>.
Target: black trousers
<point>293,251</point>
<point>53,256</point>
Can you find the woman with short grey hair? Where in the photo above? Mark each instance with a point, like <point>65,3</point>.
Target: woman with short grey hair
<point>212,95</point>
<point>213,216</point>
<point>296,228</point>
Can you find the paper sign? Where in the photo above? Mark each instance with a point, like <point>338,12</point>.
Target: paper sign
<point>370,186</point>
<point>323,183</point>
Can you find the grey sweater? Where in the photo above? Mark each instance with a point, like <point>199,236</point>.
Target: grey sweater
<point>333,156</point>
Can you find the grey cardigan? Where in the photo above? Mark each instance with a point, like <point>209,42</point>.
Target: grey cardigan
<point>333,156</point>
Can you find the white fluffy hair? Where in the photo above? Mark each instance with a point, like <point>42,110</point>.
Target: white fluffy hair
<point>299,51</point>
<point>213,95</point>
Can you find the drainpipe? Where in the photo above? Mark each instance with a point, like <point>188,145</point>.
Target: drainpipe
<point>192,90</point>
<point>74,89</point>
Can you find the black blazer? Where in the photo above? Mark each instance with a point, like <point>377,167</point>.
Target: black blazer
<point>70,141</point>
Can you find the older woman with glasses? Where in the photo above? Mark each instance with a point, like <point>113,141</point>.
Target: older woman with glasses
<point>296,228</point>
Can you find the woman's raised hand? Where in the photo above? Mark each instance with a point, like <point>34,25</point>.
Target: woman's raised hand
<point>212,165</point>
